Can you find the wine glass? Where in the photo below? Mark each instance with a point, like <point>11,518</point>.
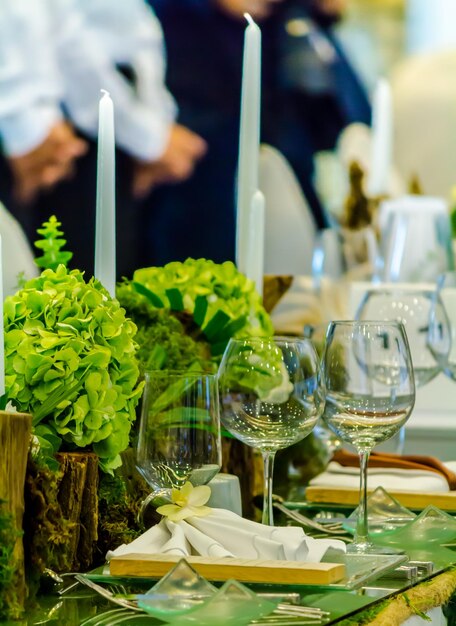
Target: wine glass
<point>270,397</point>
<point>442,324</point>
<point>411,307</point>
<point>370,393</point>
<point>179,433</point>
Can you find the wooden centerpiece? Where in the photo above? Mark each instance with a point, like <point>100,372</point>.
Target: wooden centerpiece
<point>15,431</point>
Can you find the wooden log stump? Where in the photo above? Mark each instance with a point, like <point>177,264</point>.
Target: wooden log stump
<point>78,500</point>
<point>15,429</point>
<point>88,527</point>
<point>62,513</point>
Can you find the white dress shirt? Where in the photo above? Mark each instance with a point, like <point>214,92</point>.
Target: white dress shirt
<point>30,88</point>
<point>78,44</point>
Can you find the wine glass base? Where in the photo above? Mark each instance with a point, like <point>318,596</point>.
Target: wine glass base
<point>147,516</point>
<point>370,548</point>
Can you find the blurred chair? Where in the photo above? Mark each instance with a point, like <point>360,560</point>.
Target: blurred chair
<point>17,255</point>
<point>290,228</point>
<point>424,97</point>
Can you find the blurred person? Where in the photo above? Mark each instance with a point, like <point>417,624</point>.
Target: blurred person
<point>57,56</point>
<point>39,145</point>
<point>309,94</point>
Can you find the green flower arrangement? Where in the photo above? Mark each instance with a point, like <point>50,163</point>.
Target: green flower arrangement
<point>197,306</point>
<point>70,362</point>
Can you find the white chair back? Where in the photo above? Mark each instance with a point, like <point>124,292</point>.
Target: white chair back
<point>17,255</point>
<point>290,229</point>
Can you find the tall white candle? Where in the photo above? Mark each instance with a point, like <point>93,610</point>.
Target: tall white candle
<point>255,254</point>
<point>2,341</point>
<point>249,138</point>
<point>105,235</point>
<point>382,139</point>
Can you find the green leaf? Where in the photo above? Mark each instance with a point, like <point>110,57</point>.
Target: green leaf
<point>231,329</point>
<point>187,416</point>
<point>157,357</point>
<point>147,293</point>
<point>51,244</point>
<point>63,392</point>
<point>216,324</point>
<point>170,395</point>
<point>199,312</point>
<point>218,348</point>
<point>176,301</point>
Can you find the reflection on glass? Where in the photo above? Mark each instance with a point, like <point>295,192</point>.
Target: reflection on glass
<point>442,324</point>
<point>179,435</point>
<point>370,393</point>
<point>270,396</point>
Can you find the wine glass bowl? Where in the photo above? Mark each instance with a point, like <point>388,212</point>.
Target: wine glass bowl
<point>442,324</point>
<point>179,434</point>
<point>411,307</point>
<point>270,396</point>
<point>370,393</point>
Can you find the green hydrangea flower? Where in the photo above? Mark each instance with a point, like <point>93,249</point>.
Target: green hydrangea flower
<point>221,300</point>
<point>70,360</point>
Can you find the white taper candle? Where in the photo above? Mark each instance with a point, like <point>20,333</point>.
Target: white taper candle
<point>249,138</point>
<point>105,235</point>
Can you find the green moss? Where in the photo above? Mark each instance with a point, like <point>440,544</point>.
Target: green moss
<point>118,513</point>
<point>167,340</point>
<point>366,616</point>
<point>9,604</point>
<point>46,531</point>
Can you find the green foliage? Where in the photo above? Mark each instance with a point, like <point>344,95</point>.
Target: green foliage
<point>46,530</point>
<point>199,305</point>
<point>8,534</point>
<point>51,245</point>
<point>118,512</point>
<point>162,338</point>
<point>70,361</point>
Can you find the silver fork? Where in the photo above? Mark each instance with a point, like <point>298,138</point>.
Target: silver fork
<point>330,529</point>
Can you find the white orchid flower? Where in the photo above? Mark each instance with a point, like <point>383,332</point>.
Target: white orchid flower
<point>188,501</point>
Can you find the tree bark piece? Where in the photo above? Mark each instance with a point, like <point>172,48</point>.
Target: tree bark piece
<point>89,517</point>
<point>78,500</point>
<point>15,429</point>
<point>71,489</point>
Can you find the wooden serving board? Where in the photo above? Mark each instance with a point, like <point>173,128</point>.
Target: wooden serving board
<point>243,570</point>
<point>409,499</point>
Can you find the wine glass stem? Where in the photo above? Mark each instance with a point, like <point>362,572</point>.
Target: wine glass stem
<point>268,462</point>
<point>362,536</point>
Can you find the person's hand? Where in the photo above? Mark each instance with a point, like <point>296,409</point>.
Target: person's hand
<point>185,148</point>
<point>46,164</point>
<point>258,9</point>
<point>332,8</point>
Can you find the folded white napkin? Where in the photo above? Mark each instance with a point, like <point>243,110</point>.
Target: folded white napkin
<point>391,479</point>
<point>222,533</point>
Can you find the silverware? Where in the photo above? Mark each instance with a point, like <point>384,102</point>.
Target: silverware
<point>109,595</point>
<point>283,614</point>
<point>330,529</point>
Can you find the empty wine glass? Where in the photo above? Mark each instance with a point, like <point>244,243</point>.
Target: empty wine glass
<point>179,433</point>
<point>442,324</point>
<point>370,393</point>
<point>270,397</point>
<point>411,307</point>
